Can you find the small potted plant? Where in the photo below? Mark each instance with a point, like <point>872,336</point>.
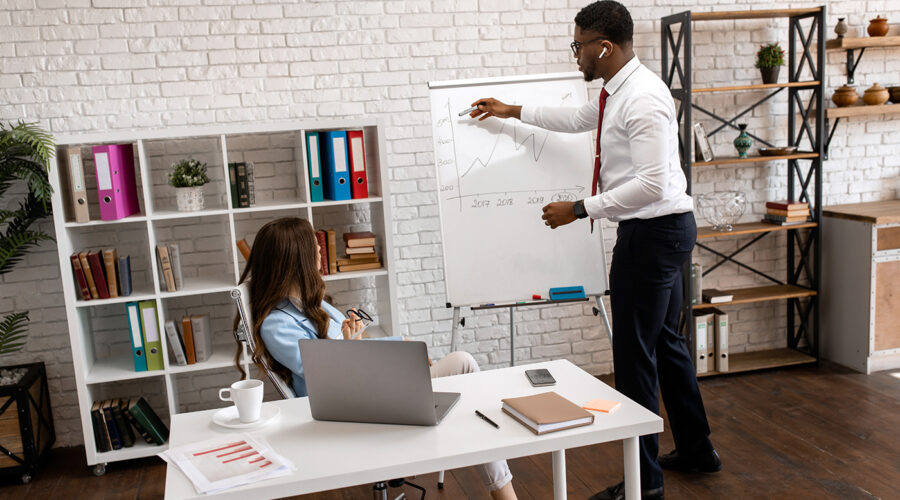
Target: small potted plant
<point>188,177</point>
<point>769,59</point>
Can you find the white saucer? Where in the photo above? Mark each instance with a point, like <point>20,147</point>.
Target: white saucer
<point>228,417</point>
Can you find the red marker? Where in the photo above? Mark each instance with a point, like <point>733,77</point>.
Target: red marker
<point>536,297</point>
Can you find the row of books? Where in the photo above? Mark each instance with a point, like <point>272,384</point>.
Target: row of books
<point>359,248</point>
<point>711,341</point>
<point>115,421</point>
<point>242,184</point>
<point>193,343</point>
<point>336,163</point>
<point>101,274</point>
<point>116,184</point>
<point>786,213</point>
<point>168,257</point>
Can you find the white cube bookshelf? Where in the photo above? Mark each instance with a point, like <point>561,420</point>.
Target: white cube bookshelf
<point>211,264</point>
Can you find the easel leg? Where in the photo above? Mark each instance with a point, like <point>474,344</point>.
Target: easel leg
<point>453,329</point>
<point>512,339</point>
<point>601,309</point>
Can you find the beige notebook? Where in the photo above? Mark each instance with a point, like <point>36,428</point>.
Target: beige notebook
<point>546,412</point>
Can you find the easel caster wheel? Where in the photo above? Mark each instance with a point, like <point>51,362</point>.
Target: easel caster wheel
<point>26,478</point>
<point>99,470</point>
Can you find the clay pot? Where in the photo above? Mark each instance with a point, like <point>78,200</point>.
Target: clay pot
<point>875,95</point>
<point>845,96</point>
<point>878,26</point>
<point>895,94</point>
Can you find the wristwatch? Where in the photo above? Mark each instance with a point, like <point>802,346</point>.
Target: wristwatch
<point>578,209</point>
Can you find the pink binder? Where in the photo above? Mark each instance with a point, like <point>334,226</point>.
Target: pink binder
<point>116,188</point>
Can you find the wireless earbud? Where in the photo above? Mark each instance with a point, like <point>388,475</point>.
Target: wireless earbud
<point>602,53</point>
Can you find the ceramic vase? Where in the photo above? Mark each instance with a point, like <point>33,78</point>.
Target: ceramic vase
<point>189,199</point>
<point>769,75</point>
<point>841,28</point>
<point>845,96</point>
<point>875,95</point>
<point>878,26</point>
<point>743,141</point>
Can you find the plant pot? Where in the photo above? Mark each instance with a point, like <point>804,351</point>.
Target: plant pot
<point>189,199</point>
<point>770,75</point>
<point>878,26</point>
<point>845,96</point>
<point>26,423</point>
<point>875,95</point>
<point>743,142</point>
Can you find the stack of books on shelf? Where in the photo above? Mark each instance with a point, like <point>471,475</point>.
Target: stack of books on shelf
<point>716,296</point>
<point>102,274</point>
<point>242,183</point>
<point>194,342</point>
<point>336,161</point>
<point>786,213</point>
<point>115,420</point>
<point>169,259</point>
<point>360,252</point>
<point>144,330</point>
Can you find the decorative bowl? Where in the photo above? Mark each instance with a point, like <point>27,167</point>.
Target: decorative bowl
<point>895,94</point>
<point>786,150</point>
<point>845,96</point>
<point>876,95</point>
<point>722,209</point>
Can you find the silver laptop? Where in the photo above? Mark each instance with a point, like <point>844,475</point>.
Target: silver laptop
<point>379,382</point>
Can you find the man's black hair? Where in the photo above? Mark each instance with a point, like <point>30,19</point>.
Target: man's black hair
<point>608,18</point>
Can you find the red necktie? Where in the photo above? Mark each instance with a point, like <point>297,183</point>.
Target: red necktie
<point>603,95</point>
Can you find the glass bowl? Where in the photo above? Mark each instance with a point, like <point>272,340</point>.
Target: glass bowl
<point>722,209</point>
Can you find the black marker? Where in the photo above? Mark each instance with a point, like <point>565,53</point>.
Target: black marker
<point>483,417</point>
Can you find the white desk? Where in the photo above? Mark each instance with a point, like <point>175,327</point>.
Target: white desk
<point>330,455</point>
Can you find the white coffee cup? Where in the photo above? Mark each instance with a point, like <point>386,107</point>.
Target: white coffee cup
<point>247,396</point>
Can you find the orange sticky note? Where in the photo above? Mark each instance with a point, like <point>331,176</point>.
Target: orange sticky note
<point>602,405</point>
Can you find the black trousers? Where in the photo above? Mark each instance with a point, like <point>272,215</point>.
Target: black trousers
<point>649,354</point>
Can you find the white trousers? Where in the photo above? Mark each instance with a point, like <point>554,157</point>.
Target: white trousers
<point>494,474</point>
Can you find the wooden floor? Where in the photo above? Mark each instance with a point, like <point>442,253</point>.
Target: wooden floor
<point>806,432</point>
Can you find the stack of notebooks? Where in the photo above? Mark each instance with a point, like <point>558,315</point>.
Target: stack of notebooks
<point>169,260</point>
<point>115,420</point>
<point>360,252</point>
<point>102,274</point>
<point>242,183</point>
<point>786,213</point>
<point>547,412</point>
<point>716,296</point>
<point>194,342</point>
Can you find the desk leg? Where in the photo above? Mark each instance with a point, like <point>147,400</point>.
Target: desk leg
<point>559,475</point>
<point>632,469</point>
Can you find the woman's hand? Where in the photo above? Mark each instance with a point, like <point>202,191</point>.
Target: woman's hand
<point>352,328</point>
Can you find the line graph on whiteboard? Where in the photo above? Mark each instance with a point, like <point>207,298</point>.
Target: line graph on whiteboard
<point>498,164</point>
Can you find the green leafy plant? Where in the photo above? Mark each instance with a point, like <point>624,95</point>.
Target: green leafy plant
<point>770,56</point>
<point>25,152</point>
<point>188,173</point>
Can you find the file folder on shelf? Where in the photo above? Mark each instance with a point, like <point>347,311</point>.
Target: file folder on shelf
<point>116,186</point>
<point>335,165</point>
<point>313,159</point>
<point>152,344</point>
<point>721,341</point>
<point>137,340</point>
<point>75,192</point>
<point>701,324</point>
<point>359,186</point>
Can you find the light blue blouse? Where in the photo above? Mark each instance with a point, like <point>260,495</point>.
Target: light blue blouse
<point>285,325</point>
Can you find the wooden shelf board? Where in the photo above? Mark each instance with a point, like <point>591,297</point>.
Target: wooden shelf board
<point>760,86</point>
<point>862,42</point>
<point>749,228</point>
<point>761,294</point>
<point>873,212</point>
<point>862,110</point>
<point>728,160</point>
<point>761,360</point>
<point>750,14</point>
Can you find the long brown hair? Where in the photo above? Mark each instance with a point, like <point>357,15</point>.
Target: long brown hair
<point>283,262</point>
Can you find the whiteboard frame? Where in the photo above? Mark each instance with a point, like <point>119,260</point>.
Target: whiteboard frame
<point>503,80</point>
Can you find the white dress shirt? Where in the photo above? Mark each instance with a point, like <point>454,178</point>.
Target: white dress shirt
<point>640,171</point>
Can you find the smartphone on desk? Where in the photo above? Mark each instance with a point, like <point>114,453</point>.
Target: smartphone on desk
<point>540,377</point>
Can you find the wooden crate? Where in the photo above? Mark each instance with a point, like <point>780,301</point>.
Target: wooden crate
<point>26,423</point>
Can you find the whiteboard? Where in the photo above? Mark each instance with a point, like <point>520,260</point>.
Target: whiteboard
<point>493,179</point>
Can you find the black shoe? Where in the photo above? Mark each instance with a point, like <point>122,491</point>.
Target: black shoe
<point>617,492</point>
<point>706,462</point>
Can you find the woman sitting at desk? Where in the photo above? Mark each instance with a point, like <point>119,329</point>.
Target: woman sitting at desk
<point>287,300</point>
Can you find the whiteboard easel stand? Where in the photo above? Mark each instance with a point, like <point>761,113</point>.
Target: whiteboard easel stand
<point>599,309</point>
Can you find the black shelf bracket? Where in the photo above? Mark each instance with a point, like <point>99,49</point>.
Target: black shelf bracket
<point>830,135</point>
<point>852,64</point>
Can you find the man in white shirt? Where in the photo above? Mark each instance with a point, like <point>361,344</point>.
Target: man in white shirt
<point>637,182</point>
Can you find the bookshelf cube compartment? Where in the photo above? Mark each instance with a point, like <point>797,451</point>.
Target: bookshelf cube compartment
<point>154,393</point>
<point>159,158</point>
<point>220,311</point>
<point>109,346</point>
<point>274,169</point>
<point>128,239</point>
<point>88,179</point>
<point>205,254</point>
<point>26,422</point>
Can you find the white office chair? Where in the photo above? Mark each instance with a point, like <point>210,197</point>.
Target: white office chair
<point>243,333</point>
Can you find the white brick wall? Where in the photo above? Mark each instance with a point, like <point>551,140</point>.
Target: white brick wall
<point>88,66</point>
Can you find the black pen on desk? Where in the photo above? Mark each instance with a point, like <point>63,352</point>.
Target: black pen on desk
<point>484,417</point>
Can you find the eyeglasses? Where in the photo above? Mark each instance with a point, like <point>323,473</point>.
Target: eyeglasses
<point>576,46</point>
<point>360,315</point>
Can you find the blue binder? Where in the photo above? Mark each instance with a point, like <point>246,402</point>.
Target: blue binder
<point>137,339</point>
<point>335,165</point>
<point>313,161</point>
